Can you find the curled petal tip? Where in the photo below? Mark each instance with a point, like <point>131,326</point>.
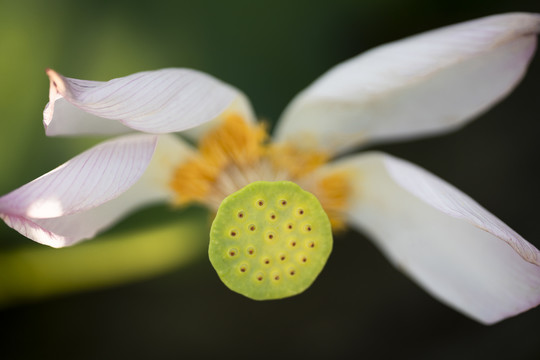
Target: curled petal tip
<point>58,84</point>
<point>160,101</point>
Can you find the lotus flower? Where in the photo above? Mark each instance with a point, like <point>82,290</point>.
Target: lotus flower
<point>424,85</point>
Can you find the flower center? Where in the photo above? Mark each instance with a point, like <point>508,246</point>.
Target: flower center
<point>236,154</point>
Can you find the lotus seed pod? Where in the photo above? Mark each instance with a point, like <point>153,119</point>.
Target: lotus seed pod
<point>270,240</point>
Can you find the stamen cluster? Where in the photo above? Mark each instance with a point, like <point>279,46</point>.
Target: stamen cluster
<point>236,154</point>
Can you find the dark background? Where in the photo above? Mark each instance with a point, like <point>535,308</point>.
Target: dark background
<point>360,305</point>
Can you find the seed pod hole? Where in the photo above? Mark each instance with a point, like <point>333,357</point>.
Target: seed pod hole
<point>300,211</point>
<point>307,228</point>
<point>250,251</point>
<point>240,215</point>
<point>283,202</point>
<point>259,277</point>
<point>270,236</point>
<point>252,227</point>
<point>243,268</point>
<point>260,203</point>
<point>290,226</point>
<point>233,233</point>
<point>266,261</point>
<point>292,272</point>
<point>232,252</point>
<point>272,216</point>
<point>276,277</point>
<point>311,244</point>
<point>282,257</point>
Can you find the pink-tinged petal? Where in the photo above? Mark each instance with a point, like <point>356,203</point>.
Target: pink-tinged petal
<point>70,229</point>
<point>161,101</point>
<point>85,182</point>
<point>89,179</point>
<point>458,251</point>
<point>427,84</point>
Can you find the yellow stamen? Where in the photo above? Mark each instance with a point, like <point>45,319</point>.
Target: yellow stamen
<point>232,143</point>
<point>297,162</point>
<point>235,141</point>
<point>236,154</point>
<point>332,191</point>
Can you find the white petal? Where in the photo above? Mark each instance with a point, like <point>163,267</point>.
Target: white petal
<point>426,84</point>
<point>152,187</point>
<point>70,229</point>
<point>60,204</point>
<point>454,248</point>
<point>160,101</point>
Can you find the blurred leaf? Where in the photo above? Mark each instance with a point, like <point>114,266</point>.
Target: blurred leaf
<point>120,257</point>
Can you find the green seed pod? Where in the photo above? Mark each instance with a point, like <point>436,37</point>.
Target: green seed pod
<point>270,240</point>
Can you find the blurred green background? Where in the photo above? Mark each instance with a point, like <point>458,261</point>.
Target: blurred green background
<point>146,289</point>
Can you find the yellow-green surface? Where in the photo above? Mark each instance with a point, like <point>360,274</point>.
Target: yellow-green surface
<point>270,240</point>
